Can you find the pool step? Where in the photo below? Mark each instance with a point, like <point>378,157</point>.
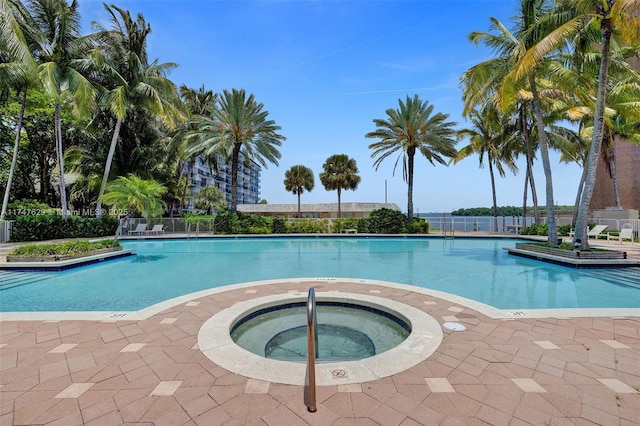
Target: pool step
<point>10,279</point>
<point>627,277</point>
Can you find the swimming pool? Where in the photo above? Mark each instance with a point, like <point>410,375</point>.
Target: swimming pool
<point>477,269</point>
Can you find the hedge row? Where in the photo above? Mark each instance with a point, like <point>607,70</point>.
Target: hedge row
<point>52,227</point>
<point>381,221</point>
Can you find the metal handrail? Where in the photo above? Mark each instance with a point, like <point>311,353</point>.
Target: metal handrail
<point>312,341</point>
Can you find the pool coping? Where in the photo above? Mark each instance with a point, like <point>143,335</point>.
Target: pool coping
<point>215,342</point>
<point>60,265</point>
<point>483,308</point>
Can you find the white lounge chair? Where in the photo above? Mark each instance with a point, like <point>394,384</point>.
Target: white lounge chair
<point>597,231</point>
<point>156,229</point>
<point>626,233</point>
<point>140,229</point>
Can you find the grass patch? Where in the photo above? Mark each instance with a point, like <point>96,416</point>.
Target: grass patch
<point>65,248</point>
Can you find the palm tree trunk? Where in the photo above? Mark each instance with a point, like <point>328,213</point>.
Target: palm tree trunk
<point>107,166</point>
<point>546,164</point>
<point>186,184</point>
<point>411,154</point>
<point>14,159</point>
<point>493,192</point>
<point>58,134</point>
<point>534,192</point>
<point>614,176</point>
<point>234,176</point>
<point>576,204</point>
<point>596,140</point>
<point>298,203</point>
<point>525,136</point>
<point>524,197</point>
<point>339,194</point>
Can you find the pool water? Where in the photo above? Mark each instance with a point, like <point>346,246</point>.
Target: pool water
<point>477,269</point>
<point>345,332</point>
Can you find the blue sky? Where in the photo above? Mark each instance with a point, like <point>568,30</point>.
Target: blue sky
<point>324,69</point>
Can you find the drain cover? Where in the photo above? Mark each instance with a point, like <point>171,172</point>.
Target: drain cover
<point>455,326</point>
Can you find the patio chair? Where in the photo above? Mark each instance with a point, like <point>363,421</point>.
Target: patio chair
<point>139,229</point>
<point>626,233</point>
<point>597,231</point>
<point>156,229</point>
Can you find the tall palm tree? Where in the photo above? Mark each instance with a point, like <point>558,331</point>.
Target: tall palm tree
<point>134,83</point>
<point>340,172</point>
<point>132,193</point>
<point>489,136</point>
<point>409,129</point>
<point>60,52</point>
<point>17,70</point>
<point>298,179</point>
<point>238,125</point>
<point>619,19</point>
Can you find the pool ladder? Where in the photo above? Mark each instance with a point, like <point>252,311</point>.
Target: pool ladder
<point>312,343</point>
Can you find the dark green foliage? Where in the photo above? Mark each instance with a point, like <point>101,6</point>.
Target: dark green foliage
<point>27,207</point>
<point>417,225</point>
<point>225,222</point>
<point>51,227</point>
<point>307,226</point>
<point>543,229</point>
<point>278,226</point>
<point>246,223</point>
<point>534,229</point>
<point>564,230</point>
<point>387,221</point>
<point>339,225</point>
<point>68,247</point>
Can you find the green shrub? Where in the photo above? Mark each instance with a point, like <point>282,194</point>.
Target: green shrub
<point>339,225</point>
<point>51,227</point>
<point>248,223</point>
<point>278,226</point>
<point>387,221</point>
<point>226,222</point>
<point>28,207</point>
<point>65,248</point>
<point>258,230</point>
<point>535,229</point>
<point>417,225</point>
<point>564,230</point>
<point>307,226</point>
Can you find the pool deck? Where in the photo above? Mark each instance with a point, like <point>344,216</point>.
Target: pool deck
<point>570,368</point>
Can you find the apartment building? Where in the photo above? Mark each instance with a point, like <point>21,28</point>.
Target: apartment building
<point>202,174</point>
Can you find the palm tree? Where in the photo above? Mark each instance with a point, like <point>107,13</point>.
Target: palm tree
<point>238,125</point>
<point>409,129</point>
<point>59,53</point>
<point>340,172</point>
<point>490,134</point>
<point>210,198</point>
<point>298,179</point>
<point>135,84</point>
<point>518,69</point>
<point>199,103</point>
<point>17,70</point>
<point>135,194</point>
<point>613,17</point>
